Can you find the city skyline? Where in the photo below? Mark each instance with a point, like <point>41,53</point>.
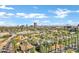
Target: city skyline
<point>12,15</point>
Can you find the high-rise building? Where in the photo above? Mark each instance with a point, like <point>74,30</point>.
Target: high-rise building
<point>78,25</point>
<point>35,24</point>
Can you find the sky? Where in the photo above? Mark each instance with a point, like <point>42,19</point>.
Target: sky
<point>12,15</point>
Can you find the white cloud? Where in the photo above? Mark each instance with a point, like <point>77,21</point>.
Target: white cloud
<point>37,15</point>
<point>10,14</point>
<point>5,7</point>
<point>5,14</point>
<point>42,22</point>
<point>77,11</point>
<point>7,23</point>
<point>2,15</point>
<point>24,15</point>
<point>20,14</point>
<point>32,15</point>
<point>61,13</point>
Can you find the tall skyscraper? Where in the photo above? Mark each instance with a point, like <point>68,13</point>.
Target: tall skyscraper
<point>35,24</point>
